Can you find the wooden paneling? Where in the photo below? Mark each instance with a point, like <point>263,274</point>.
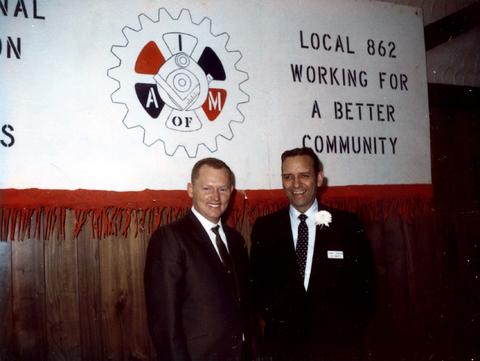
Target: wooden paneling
<point>124,331</point>
<point>149,349</point>
<point>63,332</point>
<point>6,315</point>
<point>74,299</point>
<point>29,309</point>
<point>139,336</point>
<point>90,303</point>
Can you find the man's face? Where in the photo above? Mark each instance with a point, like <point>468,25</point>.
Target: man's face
<point>300,181</point>
<point>210,192</point>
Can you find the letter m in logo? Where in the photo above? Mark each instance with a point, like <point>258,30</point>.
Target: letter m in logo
<point>213,106</point>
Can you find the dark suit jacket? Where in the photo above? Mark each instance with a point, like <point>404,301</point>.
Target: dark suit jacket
<point>329,318</point>
<point>193,311</point>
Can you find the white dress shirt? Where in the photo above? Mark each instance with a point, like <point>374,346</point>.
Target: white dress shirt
<point>294,221</point>
<point>207,225</point>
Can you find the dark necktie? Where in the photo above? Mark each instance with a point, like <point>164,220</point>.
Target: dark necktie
<point>224,255</point>
<point>227,262</point>
<point>302,245</point>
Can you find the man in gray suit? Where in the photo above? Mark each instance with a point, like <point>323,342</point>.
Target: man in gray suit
<point>196,281</point>
<point>312,272</point>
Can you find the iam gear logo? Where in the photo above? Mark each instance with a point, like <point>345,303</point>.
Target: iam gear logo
<point>178,82</point>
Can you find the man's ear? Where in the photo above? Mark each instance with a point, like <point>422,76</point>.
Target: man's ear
<point>319,179</point>
<point>190,190</point>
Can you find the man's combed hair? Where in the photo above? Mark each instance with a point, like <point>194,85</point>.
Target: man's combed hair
<point>317,164</point>
<point>214,163</point>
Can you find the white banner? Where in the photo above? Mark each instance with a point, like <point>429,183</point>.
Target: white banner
<point>118,95</point>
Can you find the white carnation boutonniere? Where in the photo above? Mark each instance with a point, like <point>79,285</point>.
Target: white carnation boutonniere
<point>323,218</point>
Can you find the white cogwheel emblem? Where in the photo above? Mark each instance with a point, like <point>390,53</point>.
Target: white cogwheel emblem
<point>178,82</point>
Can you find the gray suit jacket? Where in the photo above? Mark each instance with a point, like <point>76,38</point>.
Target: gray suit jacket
<point>194,311</point>
<point>331,316</point>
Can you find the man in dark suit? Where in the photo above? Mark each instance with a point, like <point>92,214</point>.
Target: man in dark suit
<point>312,272</point>
<point>196,277</point>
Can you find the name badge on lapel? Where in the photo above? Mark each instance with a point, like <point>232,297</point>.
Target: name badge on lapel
<point>335,254</point>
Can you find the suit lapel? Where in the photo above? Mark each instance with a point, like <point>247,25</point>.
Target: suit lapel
<point>236,257</point>
<point>199,234</point>
<point>287,247</point>
<point>284,233</point>
<point>231,245</point>
<point>322,236</point>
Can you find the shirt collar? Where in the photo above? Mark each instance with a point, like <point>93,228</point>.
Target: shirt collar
<point>310,212</point>
<point>207,225</point>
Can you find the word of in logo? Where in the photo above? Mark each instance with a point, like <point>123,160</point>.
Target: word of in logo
<point>178,82</point>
